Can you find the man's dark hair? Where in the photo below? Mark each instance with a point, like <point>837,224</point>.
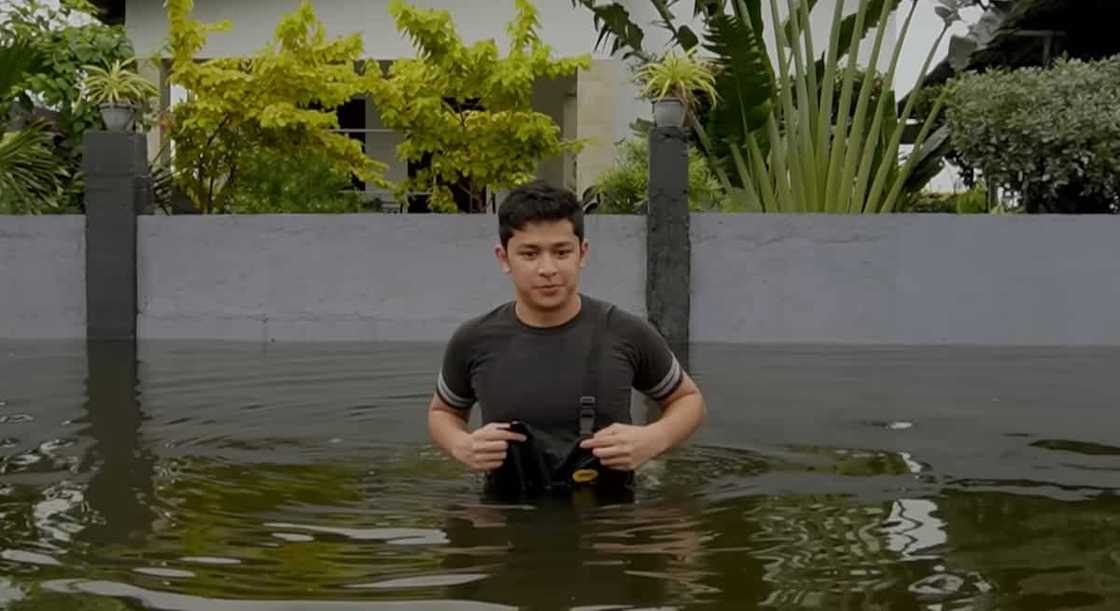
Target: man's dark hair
<point>535,202</point>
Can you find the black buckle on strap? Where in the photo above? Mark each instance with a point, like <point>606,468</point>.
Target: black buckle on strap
<point>586,416</point>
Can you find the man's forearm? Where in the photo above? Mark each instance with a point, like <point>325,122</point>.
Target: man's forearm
<point>679,420</point>
<point>446,429</point>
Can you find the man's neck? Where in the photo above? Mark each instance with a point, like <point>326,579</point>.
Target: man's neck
<point>549,318</point>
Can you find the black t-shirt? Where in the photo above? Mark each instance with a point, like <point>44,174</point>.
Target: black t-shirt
<point>537,375</point>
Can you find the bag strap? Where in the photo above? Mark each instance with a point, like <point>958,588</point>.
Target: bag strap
<point>587,401</point>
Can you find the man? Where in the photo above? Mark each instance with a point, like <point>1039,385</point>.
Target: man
<point>554,367</point>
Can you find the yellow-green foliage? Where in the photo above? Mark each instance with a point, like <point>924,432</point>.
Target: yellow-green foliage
<point>281,99</point>
<point>467,107</point>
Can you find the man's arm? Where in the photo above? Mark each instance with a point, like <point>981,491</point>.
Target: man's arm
<point>626,447</point>
<point>447,426</point>
<point>482,450</point>
<point>681,414</point>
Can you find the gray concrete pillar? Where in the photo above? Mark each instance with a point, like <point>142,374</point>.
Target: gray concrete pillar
<point>668,249</point>
<point>117,187</point>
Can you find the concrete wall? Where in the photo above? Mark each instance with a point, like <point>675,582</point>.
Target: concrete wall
<point>901,279</point>
<point>361,277</point>
<point>906,279</point>
<point>42,276</point>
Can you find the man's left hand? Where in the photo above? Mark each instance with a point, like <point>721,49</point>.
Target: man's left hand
<point>624,446</point>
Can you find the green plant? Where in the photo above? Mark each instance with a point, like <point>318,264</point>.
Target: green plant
<point>465,112</point>
<point>677,75</point>
<point>31,176</point>
<point>973,201</point>
<point>65,36</point>
<point>308,182</point>
<point>932,202</point>
<point>623,188</point>
<point>282,100</point>
<point>743,67</point>
<point>817,157</point>
<point>1049,136</point>
<point>117,84</point>
<point>16,61</point>
<point>32,179</point>
<point>781,140</point>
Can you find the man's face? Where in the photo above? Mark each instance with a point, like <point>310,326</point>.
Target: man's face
<point>544,260</point>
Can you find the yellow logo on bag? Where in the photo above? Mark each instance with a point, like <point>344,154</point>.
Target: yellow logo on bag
<point>583,476</point>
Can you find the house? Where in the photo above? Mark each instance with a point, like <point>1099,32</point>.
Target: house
<point>597,105</point>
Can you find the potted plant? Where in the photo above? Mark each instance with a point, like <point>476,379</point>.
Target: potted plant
<point>671,84</point>
<point>119,92</point>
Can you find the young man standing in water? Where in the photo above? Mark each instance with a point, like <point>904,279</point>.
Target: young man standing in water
<point>534,361</point>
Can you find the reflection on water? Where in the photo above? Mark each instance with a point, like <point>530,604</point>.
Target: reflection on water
<point>250,477</point>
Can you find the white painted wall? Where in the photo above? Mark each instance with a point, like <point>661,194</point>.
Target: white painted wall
<point>568,30</point>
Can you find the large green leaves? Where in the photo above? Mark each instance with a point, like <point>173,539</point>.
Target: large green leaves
<point>744,81</point>
<point>615,26</point>
<point>31,176</point>
<point>15,62</point>
<point>828,156</point>
<point>795,132</point>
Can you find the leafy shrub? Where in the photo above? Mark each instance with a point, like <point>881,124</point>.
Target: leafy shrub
<point>932,202</point>
<point>622,189</point>
<point>1051,136</point>
<point>274,182</point>
<point>973,201</point>
<point>65,36</point>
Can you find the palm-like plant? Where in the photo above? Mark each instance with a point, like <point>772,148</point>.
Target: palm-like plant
<point>821,156</point>
<point>15,62</point>
<point>783,138</point>
<point>30,174</point>
<point>119,91</point>
<point>679,76</point>
<point>117,84</point>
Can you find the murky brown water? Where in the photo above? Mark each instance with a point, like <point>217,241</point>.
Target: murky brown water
<point>209,476</point>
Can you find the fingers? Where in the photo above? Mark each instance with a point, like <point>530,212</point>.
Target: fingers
<point>611,452</point>
<point>489,465</point>
<point>498,430</point>
<point>484,447</point>
<point>606,437</point>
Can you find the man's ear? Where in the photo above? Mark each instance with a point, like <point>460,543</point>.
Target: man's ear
<point>584,248</point>
<point>503,258</point>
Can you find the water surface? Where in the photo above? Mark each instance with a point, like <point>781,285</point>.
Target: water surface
<point>227,476</point>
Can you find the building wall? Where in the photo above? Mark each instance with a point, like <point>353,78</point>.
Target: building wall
<point>568,30</point>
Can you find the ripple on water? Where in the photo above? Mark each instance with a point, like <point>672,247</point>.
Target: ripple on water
<point>423,581</point>
<point>25,557</point>
<point>213,560</point>
<point>163,572</point>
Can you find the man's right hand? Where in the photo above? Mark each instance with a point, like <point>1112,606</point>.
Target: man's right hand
<point>484,449</point>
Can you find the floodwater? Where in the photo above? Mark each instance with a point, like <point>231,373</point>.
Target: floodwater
<point>227,476</point>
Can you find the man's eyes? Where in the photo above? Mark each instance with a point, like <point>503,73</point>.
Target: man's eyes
<point>559,253</point>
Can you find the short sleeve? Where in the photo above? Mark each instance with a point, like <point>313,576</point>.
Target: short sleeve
<point>453,385</point>
<point>657,372</point>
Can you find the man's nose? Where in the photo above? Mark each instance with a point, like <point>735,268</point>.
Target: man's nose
<point>547,266</point>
